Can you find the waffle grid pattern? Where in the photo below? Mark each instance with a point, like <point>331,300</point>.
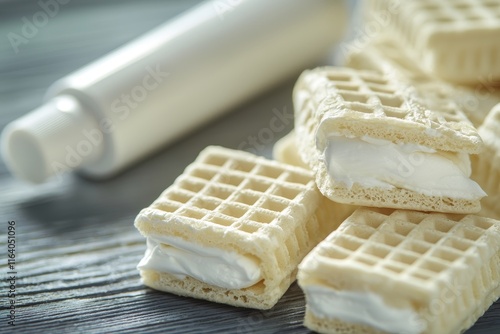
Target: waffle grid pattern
<point>366,92</point>
<point>385,56</point>
<point>427,26</point>
<point>406,243</point>
<point>443,15</point>
<point>447,14</point>
<point>221,189</point>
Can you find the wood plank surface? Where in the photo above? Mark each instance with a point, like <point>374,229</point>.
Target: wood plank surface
<point>76,247</point>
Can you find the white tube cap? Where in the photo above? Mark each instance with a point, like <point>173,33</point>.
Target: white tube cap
<point>49,140</point>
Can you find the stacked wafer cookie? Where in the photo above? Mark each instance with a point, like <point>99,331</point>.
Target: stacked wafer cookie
<point>374,140</point>
<point>233,228</point>
<point>456,40</point>
<point>448,48</point>
<point>387,139</point>
<point>401,271</point>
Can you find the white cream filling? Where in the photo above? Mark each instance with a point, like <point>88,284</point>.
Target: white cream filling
<point>381,163</point>
<point>211,265</point>
<point>362,308</point>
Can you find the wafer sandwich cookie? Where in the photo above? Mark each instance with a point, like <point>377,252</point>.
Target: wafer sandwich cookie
<point>486,165</point>
<point>456,40</point>
<point>398,271</point>
<point>384,55</point>
<point>233,228</point>
<point>371,140</point>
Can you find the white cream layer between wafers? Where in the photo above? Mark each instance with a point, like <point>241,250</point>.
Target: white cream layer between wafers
<point>211,265</point>
<point>380,163</point>
<point>362,308</point>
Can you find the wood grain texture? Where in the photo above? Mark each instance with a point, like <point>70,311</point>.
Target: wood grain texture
<point>76,245</point>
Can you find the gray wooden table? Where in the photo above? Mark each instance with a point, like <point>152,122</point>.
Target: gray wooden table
<point>76,247</point>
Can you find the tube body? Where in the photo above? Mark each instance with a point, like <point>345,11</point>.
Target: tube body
<point>175,78</point>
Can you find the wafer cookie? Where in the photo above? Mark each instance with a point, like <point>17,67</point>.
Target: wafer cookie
<point>486,165</point>
<point>384,55</point>
<point>233,228</point>
<point>456,40</point>
<point>372,140</point>
<point>385,271</point>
